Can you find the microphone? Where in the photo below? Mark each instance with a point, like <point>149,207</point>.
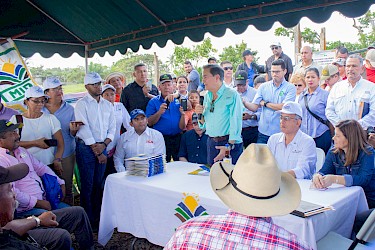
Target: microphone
<point>201,99</point>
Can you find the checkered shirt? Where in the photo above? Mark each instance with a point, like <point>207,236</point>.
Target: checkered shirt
<point>233,231</point>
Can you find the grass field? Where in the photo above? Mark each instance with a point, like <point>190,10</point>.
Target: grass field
<point>73,88</point>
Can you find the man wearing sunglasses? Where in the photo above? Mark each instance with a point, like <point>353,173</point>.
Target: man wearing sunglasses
<point>249,66</point>
<point>228,73</point>
<point>278,53</point>
<point>221,115</point>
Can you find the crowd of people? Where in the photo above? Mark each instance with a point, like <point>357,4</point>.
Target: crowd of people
<point>293,110</point>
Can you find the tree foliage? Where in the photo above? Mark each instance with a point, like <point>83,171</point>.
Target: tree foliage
<point>196,55</point>
<point>365,30</point>
<point>234,54</point>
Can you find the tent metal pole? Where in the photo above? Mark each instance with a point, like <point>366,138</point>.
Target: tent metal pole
<point>86,59</point>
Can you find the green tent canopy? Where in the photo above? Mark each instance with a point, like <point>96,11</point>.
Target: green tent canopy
<point>99,26</point>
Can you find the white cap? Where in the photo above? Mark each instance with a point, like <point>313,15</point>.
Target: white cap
<point>291,108</point>
<point>34,91</point>
<point>92,78</point>
<point>370,56</point>
<point>51,83</point>
<point>107,86</point>
<point>275,44</point>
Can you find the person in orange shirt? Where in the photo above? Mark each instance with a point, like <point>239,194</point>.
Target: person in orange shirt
<point>118,81</point>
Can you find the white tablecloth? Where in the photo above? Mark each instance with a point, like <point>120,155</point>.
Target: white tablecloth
<point>145,207</point>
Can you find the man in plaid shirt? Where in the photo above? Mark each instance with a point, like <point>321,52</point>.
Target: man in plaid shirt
<point>254,191</point>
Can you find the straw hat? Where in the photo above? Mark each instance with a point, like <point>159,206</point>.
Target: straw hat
<point>255,186</point>
<point>115,74</point>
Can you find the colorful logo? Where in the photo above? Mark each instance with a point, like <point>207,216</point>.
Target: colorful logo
<point>189,208</point>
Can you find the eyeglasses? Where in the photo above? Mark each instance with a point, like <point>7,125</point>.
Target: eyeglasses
<point>56,89</point>
<point>39,102</point>
<point>288,118</point>
<point>298,85</point>
<point>228,68</point>
<point>275,47</point>
<point>212,106</point>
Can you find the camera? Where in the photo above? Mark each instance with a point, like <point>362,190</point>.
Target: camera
<point>370,130</point>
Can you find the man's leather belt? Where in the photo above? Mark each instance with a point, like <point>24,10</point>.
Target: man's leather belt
<point>220,138</point>
<point>249,128</point>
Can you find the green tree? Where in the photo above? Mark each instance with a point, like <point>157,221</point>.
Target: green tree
<point>234,54</point>
<point>196,55</point>
<point>365,30</point>
<point>126,65</point>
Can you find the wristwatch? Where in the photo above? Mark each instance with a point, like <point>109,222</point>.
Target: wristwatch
<point>36,219</point>
<point>265,104</point>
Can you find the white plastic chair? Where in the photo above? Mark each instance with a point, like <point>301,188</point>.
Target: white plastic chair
<point>320,158</point>
<point>335,241</point>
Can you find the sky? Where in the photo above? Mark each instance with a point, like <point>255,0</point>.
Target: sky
<point>337,27</point>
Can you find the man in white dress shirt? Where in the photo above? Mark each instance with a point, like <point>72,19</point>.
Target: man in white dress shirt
<point>353,98</point>
<point>97,115</point>
<point>140,140</point>
<point>293,150</point>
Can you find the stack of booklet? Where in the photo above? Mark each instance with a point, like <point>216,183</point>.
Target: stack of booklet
<point>306,209</point>
<point>146,166</point>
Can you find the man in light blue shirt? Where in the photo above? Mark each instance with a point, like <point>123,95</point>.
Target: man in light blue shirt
<point>249,118</point>
<point>222,115</point>
<point>294,151</point>
<point>271,96</point>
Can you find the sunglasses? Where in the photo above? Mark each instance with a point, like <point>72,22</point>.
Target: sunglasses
<point>298,85</point>
<point>275,47</point>
<point>228,68</point>
<point>212,106</point>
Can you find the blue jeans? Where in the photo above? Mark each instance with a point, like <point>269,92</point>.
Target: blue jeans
<point>38,211</point>
<point>212,152</point>
<point>262,138</point>
<point>92,180</point>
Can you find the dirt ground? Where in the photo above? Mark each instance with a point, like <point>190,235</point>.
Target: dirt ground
<point>123,241</point>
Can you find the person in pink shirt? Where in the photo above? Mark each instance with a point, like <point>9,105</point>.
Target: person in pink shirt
<point>29,191</point>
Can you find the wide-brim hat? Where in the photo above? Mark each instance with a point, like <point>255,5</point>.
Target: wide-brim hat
<point>115,74</point>
<point>13,173</point>
<point>258,187</point>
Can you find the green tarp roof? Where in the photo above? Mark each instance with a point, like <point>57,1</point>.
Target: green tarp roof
<point>66,26</point>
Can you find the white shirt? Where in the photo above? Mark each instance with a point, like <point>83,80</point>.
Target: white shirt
<point>300,69</point>
<point>130,144</point>
<point>344,102</point>
<point>299,155</point>
<point>98,117</point>
<point>122,117</point>
<point>230,84</point>
<point>33,129</point>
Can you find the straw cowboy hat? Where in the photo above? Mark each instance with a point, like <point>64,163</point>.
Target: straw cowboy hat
<point>115,74</point>
<point>255,186</point>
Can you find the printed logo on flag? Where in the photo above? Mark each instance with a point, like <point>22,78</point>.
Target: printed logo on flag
<point>14,76</point>
<point>189,207</point>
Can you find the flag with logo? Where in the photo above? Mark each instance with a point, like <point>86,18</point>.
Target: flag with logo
<point>15,78</point>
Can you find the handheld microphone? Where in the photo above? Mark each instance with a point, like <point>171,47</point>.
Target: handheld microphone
<point>201,99</point>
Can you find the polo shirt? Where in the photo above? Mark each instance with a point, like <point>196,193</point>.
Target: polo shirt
<point>132,97</point>
<point>169,121</point>
<point>7,113</point>
<point>269,122</point>
<point>194,147</point>
<point>65,114</point>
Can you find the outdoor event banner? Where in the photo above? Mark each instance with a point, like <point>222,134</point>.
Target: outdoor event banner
<point>15,78</point>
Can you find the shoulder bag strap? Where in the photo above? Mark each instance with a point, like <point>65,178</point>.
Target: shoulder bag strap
<point>325,122</point>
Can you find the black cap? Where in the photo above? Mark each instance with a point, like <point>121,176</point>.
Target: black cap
<point>246,53</point>
<point>165,78</point>
<point>240,77</point>
<point>6,126</point>
<point>13,173</point>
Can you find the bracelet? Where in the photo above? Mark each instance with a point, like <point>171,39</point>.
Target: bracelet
<point>57,159</point>
<point>36,219</point>
<point>104,143</point>
<point>265,104</point>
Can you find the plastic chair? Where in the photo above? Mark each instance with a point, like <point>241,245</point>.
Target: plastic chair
<point>335,241</point>
<point>320,158</point>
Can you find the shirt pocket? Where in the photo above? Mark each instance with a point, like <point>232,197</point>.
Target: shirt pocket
<point>340,169</point>
<point>149,148</point>
<point>293,158</point>
<point>355,168</point>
